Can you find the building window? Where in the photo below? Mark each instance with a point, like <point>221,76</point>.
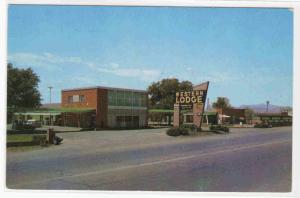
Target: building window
<point>128,98</point>
<point>120,98</point>
<point>76,98</point>
<point>70,99</point>
<point>81,98</point>
<point>112,97</point>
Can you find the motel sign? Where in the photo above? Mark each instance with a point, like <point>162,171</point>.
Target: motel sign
<point>195,100</point>
<point>191,97</point>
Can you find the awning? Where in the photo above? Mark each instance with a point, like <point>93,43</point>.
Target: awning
<point>225,116</point>
<point>55,111</point>
<point>38,113</point>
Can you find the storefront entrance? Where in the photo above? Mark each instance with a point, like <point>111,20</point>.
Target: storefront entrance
<point>127,121</point>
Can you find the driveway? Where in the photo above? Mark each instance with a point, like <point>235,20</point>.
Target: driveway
<point>244,160</point>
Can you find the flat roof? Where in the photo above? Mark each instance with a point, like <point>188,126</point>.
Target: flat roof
<point>102,87</point>
<point>55,110</point>
<point>172,111</point>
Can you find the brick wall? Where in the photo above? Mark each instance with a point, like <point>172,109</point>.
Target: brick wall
<point>93,98</point>
<point>89,102</point>
<point>102,108</point>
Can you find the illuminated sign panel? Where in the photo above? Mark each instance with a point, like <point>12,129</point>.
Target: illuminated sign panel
<point>191,97</point>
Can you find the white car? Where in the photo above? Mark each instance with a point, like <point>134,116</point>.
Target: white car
<point>33,123</point>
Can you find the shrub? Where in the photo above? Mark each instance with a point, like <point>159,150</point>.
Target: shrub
<point>191,127</point>
<point>219,128</point>
<point>174,131</point>
<point>263,125</point>
<point>183,131</point>
<point>41,139</point>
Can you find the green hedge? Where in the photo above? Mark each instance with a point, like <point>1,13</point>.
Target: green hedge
<point>177,131</point>
<point>219,128</point>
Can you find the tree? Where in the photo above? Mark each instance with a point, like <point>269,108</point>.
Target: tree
<point>22,89</point>
<point>222,103</point>
<point>162,93</point>
<point>249,115</point>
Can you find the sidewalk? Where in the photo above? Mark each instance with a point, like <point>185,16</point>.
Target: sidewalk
<point>241,126</point>
<point>61,128</point>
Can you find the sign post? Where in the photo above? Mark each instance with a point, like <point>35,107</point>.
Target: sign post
<point>196,98</point>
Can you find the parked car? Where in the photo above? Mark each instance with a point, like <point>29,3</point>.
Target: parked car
<point>263,125</point>
<point>35,123</point>
<point>19,125</point>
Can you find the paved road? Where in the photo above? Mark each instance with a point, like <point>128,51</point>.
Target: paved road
<point>245,160</point>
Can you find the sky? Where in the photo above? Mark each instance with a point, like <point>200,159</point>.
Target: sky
<point>245,53</point>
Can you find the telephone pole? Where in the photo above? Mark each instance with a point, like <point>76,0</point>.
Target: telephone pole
<point>50,88</point>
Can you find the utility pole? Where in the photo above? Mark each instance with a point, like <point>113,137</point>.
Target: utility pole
<point>268,102</point>
<point>50,88</point>
<point>208,105</point>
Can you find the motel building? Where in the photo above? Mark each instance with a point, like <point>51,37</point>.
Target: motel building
<point>95,107</point>
<point>113,107</point>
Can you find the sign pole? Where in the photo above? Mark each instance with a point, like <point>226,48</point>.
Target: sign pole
<point>201,118</point>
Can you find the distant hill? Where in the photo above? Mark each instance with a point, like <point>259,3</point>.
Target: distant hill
<point>52,105</point>
<point>261,108</point>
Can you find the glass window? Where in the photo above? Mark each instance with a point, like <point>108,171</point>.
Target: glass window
<point>135,99</point>
<point>81,98</point>
<point>76,98</point>
<point>144,100</point>
<point>70,99</point>
<point>128,98</point>
<point>112,97</point>
<point>120,98</point>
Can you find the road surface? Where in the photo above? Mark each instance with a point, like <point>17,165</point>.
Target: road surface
<point>246,160</point>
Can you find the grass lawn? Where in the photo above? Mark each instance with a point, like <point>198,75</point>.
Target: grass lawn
<point>20,138</point>
<point>23,142</point>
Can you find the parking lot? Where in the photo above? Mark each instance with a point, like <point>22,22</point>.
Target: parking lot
<point>148,159</point>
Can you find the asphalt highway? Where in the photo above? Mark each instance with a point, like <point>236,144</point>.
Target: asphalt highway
<point>246,160</point>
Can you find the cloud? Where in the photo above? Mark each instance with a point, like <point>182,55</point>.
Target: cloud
<point>140,73</point>
<point>51,61</point>
<point>42,60</point>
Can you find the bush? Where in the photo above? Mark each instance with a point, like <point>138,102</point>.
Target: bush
<point>184,131</point>
<point>192,127</point>
<point>263,125</point>
<point>189,127</point>
<point>219,128</point>
<point>41,139</point>
<point>177,131</point>
<point>174,131</point>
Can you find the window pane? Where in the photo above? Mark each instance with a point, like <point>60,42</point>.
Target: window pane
<point>120,98</point>
<point>135,99</point>
<point>111,97</point>
<point>144,100</point>
<point>76,98</point>
<point>81,98</point>
<point>70,99</point>
<point>128,98</point>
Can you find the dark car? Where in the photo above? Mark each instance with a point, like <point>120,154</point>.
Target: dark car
<point>263,125</point>
<point>19,125</point>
